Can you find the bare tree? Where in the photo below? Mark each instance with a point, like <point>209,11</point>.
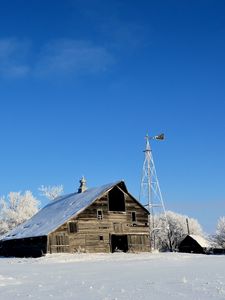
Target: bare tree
<point>220,232</point>
<point>177,228</point>
<point>3,220</point>
<point>51,192</point>
<point>16,208</point>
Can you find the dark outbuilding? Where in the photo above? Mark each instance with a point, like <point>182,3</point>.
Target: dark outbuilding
<point>194,244</point>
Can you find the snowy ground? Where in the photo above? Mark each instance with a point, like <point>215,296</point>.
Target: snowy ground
<point>113,276</point>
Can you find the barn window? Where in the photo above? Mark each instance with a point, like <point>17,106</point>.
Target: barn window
<point>133,216</point>
<point>72,227</point>
<point>99,214</point>
<point>116,200</point>
<point>101,238</point>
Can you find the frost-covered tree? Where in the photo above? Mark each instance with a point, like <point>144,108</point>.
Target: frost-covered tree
<point>16,208</point>
<point>3,221</point>
<point>220,232</point>
<point>170,237</point>
<point>51,192</point>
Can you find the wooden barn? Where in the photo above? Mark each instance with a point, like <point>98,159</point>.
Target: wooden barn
<point>102,219</point>
<point>191,243</point>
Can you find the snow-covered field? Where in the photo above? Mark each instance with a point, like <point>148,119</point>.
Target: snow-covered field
<point>113,276</point>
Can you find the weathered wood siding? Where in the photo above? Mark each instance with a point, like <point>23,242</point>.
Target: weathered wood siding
<point>94,235</point>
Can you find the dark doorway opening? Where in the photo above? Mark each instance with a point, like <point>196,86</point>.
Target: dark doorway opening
<point>116,200</point>
<point>119,243</point>
<point>27,247</point>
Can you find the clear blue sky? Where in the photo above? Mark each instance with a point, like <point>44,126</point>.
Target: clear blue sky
<point>81,82</point>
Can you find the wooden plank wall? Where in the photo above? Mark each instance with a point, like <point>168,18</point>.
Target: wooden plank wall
<point>87,238</point>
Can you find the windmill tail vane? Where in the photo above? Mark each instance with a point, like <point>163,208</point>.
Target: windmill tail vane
<point>160,137</point>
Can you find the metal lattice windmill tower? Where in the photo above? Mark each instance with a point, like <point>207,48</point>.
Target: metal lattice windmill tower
<point>150,193</point>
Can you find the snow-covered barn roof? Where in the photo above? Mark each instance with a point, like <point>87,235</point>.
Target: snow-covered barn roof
<point>59,211</point>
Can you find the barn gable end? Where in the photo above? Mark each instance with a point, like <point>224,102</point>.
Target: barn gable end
<point>99,229</point>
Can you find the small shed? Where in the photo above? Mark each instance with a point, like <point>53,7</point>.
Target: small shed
<point>191,243</point>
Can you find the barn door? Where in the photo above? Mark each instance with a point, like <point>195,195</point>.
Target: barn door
<point>119,243</point>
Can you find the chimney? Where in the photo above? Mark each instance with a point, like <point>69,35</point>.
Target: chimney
<point>82,187</point>
<point>188,229</point>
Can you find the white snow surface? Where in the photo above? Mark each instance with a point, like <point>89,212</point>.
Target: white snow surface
<point>116,276</point>
<point>57,213</point>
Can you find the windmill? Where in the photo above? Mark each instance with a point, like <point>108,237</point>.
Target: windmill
<point>150,193</point>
